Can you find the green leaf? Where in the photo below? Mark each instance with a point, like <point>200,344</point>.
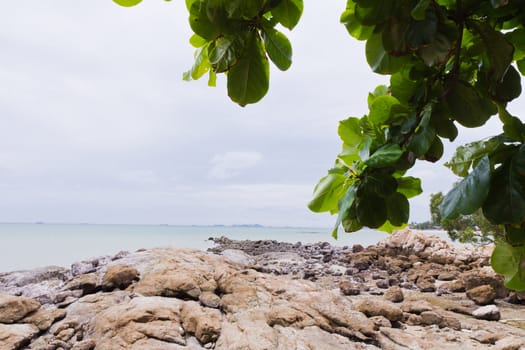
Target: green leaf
<point>469,194</point>
<point>499,50</point>
<point>389,228</point>
<point>249,78</point>
<point>398,209</point>
<point>196,41</point>
<point>242,9</point>
<point>278,48</point>
<point>344,206</point>
<point>510,262</point>
<point>467,106</point>
<point>381,109</point>
<point>327,193</point>
<point>200,23</point>
<point>509,88</point>
<point>409,186</point>
<point>349,131</point>
<point>378,59</point>
<point>371,211</point>
<point>469,154</point>
<point>377,185</point>
<point>435,152</point>
<point>384,156</point>
<point>127,3</point>
<point>212,79</point>
<point>288,12</point>
<point>200,67</point>
<point>353,26</point>
<point>423,138</point>
<point>505,203</point>
<point>223,55</point>
<point>517,39</point>
<point>402,87</point>
<point>418,12</point>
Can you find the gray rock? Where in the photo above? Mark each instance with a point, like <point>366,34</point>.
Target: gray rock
<point>488,312</point>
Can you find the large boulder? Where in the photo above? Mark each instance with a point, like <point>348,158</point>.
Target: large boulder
<point>14,308</point>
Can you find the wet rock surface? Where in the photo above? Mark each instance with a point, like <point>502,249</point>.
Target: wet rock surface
<point>266,295</point>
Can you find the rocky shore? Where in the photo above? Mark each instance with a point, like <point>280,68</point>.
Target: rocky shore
<point>410,291</point>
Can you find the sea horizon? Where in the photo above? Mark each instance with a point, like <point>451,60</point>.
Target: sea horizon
<point>39,244</point>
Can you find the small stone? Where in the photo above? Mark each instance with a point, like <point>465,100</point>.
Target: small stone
<point>43,319</point>
<point>210,299</point>
<point>394,294</point>
<point>447,276</point>
<point>430,317</point>
<point>88,283</point>
<point>510,343</point>
<point>426,285</point>
<point>349,288</point>
<point>451,322</point>
<point>356,248</point>
<point>482,295</point>
<point>383,284</point>
<point>416,307</point>
<point>14,336</point>
<point>486,338</point>
<point>489,312</point>
<point>88,344</point>
<point>119,276</point>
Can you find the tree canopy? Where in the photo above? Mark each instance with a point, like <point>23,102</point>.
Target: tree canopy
<point>450,62</point>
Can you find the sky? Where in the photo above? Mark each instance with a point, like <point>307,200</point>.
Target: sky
<point>97,125</point>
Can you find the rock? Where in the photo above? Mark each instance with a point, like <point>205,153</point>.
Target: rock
<point>485,337</point>
<point>416,306</point>
<point>482,295</point>
<point>430,317</point>
<point>237,256</point>
<point>383,284</point>
<point>510,343</point>
<point>210,299</point>
<point>456,286</point>
<point>14,308</point>
<point>426,284</point>
<point>485,276</point>
<point>43,319</point>
<point>380,321</point>
<point>447,276</point>
<point>119,276</point>
<point>488,312</point>
<point>379,308</point>
<point>356,248</point>
<point>88,283</point>
<point>14,336</point>
<point>204,323</point>
<point>349,288</point>
<point>394,294</point>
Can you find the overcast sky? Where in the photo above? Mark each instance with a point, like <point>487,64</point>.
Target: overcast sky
<point>97,125</point>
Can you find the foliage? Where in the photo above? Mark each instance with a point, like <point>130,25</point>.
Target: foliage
<point>450,62</point>
<point>472,228</point>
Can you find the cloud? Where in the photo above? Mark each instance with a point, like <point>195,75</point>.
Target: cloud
<point>231,164</point>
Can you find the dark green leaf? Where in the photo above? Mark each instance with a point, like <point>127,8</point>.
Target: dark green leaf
<point>467,106</point>
<point>288,12</point>
<point>243,9</point>
<point>418,12</point>
<point>505,203</point>
<point>278,48</point>
<point>402,87</point>
<point>468,195</point>
<point>377,185</point>
<point>200,22</point>
<point>378,59</point>
<point>409,186</point>
<point>499,50</point>
<point>398,209</point>
<point>509,88</point>
<point>248,80</point>
<point>371,211</point>
<point>423,138</point>
<point>384,156</point>
<point>435,152</point>
<point>327,193</point>
<point>393,37</point>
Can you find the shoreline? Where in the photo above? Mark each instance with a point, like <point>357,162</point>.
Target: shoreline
<point>408,291</point>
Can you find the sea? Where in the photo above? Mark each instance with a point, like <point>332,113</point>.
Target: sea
<point>27,246</point>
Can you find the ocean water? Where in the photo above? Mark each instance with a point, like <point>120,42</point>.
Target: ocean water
<point>26,246</point>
